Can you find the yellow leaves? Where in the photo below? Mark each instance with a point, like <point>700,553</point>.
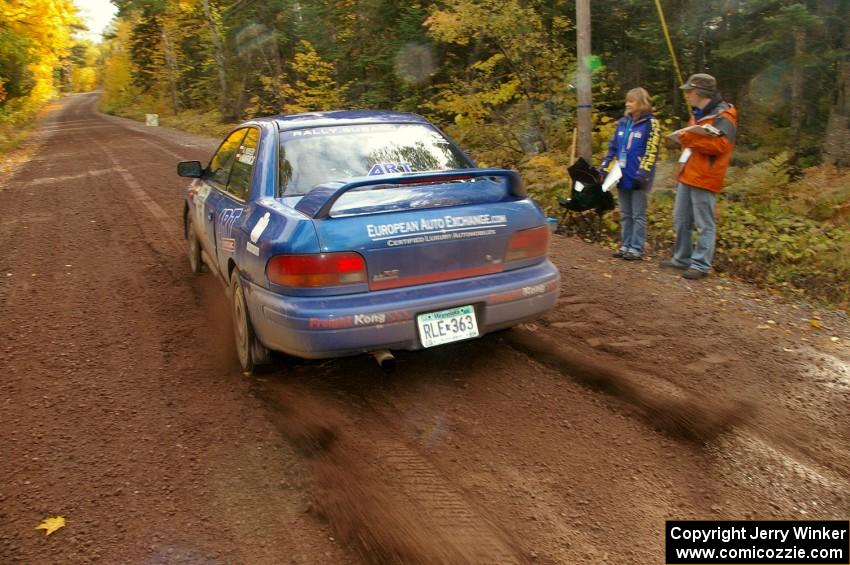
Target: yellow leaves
<point>50,525</point>
<point>562,24</point>
<point>46,27</point>
<point>447,27</point>
<point>541,160</point>
<point>815,323</point>
<point>488,65</point>
<point>315,87</point>
<point>83,79</point>
<point>506,92</point>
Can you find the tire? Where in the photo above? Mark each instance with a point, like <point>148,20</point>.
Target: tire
<point>193,247</point>
<point>249,350</point>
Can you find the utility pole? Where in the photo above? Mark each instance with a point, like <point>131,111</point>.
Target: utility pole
<point>583,81</point>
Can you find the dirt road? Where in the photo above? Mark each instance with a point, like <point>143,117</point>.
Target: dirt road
<point>123,410</point>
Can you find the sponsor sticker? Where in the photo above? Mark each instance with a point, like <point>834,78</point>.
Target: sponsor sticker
<point>424,230</point>
<point>359,320</point>
<point>345,130</point>
<point>260,227</point>
<point>390,168</point>
<point>524,292</point>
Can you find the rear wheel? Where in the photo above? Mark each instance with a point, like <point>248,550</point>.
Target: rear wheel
<point>250,351</point>
<point>193,248</point>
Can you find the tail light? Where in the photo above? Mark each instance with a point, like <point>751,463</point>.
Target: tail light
<point>529,243</point>
<point>317,270</point>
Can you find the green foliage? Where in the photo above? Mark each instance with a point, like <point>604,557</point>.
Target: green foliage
<point>15,74</point>
<point>515,82</point>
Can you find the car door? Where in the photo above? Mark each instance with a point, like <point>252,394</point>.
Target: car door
<point>234,197</point>
<point>216,178</point>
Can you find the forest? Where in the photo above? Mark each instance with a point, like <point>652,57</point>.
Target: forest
<point>499,78</point>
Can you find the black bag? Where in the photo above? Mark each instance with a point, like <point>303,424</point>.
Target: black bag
<point>591,197</point>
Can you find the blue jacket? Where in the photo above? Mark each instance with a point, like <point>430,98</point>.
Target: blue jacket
<point>638,142</point>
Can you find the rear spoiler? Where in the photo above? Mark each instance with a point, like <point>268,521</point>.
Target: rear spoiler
<point>318,202</point>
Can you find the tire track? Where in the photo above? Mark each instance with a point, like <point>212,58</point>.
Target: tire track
<point>384,498</point>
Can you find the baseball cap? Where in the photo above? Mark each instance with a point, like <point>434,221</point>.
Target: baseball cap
<point>706,84</point>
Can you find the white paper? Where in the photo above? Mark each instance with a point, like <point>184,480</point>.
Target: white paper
<point>578,187</point>
<point>614,174</point>
<point>686,154</point>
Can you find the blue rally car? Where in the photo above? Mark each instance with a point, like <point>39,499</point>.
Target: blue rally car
<point>348,232</point>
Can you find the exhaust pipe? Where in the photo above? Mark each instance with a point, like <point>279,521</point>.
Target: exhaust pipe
<point>385,359</point>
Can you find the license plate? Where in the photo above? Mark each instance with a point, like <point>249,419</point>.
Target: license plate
<point>446,326</point>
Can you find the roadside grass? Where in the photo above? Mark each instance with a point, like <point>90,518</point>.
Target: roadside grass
<point>17,119</point>
<point>18,139</point>
<point>200,122</point>
<point>11,136</point>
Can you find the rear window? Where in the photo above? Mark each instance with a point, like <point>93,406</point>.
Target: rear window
<point>313,156</point>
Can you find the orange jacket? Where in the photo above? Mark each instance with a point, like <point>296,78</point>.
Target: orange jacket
<point>706,167</point>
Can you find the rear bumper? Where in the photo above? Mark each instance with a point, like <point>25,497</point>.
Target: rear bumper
<point>335,326</point>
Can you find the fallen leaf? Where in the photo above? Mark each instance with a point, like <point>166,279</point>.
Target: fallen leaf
<point>50,525</point>
<point>763,327</point>
<point>606,275</point>
<point>787,350</point>
<point>815,323</point>
<point>834,339</point>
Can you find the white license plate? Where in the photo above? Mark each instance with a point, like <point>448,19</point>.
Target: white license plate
<point>446,326</point>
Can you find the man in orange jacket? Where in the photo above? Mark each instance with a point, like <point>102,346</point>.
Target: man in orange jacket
<point>705,158</point>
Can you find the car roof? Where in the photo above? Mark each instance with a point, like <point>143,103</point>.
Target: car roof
<point>343,117</point>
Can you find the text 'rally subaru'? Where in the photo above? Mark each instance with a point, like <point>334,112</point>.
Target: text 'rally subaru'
<point>361,231</point>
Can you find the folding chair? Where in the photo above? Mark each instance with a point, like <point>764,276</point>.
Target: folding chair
<point>583,210</point>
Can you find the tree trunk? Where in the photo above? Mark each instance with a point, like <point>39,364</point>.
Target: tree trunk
<point>238,105</point>
<point>219,58</point>
<point>171,65</point>
<point>584,112</point>
<point>836,142</point>
<point>797,105</point>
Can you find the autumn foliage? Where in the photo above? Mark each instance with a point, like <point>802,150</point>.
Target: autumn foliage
<point>39,58</point>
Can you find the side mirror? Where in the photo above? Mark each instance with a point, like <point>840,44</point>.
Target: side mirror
<point>192,169</point>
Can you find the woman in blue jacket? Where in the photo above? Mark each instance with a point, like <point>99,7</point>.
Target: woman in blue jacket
<point>635,147</point>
